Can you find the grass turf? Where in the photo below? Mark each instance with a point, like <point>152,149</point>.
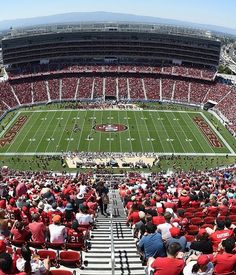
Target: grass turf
<point>51,131</point>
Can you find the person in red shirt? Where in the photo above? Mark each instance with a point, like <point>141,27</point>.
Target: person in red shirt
<point>19,232</point>
<point>25,215</point>
<point>184,199</point>
<point>37,229</point>
<point>133,216</point>
<point>220,234</point>
<point>74,235</point>
<point>170,265</point>
<point>14,213</point>
<point>225,263</point>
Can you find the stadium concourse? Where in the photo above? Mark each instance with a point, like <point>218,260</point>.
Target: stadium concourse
<point>181,223</point>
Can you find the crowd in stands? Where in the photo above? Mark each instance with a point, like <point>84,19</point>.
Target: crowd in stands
<point>178,70</point>
<point>184,223</point>
<point>123,88</point>
<point>40,211</point>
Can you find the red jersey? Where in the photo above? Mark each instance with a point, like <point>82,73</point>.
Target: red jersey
<point>220,235</point>
<point>74,236</point>
<point>14,213</point>
<point>167,266</point>
<point>134,217</point>
<point>224,263</point>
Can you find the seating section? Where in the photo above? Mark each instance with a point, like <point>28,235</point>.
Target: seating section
<point>98,87</point>
<point>152,87</point>
<point>126,88</point>
<point>85,87</point>
<point>136,88</point>
<point>24,92</point>
<point>167,88</point>
<point>49,69</point>
<point>110,85</point>
<point>53,85</point>
<point>68,88</point>
<point>40,91</point>
<point>181,91</point>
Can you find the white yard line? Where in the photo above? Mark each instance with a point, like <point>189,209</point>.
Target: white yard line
<point>183,148</point>
<point>49,124</point>
<point>148,133</point>
<point>183,133</point>
<point>131,145</point>
<point>157,132</point>
<point>199,143</point>
<point>82,129</point>
<point>119,135</point>
<point>10,124</point>
<point>139,133</point>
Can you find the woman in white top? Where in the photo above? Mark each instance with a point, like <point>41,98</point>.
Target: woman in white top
<point>32,264</point>
<point>199,265</point>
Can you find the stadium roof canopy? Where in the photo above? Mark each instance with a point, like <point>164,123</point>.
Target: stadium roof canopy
<point>109,27</point>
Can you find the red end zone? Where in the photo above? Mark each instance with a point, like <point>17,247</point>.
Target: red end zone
<point>208,132</point>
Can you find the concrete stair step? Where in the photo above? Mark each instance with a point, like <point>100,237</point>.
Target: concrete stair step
<point>117,272</point>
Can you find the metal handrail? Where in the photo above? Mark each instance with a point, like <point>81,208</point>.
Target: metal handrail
<point>111,234</point>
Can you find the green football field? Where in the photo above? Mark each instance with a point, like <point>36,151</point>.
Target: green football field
<point>56,131</point>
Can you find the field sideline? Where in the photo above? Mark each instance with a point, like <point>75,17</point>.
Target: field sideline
<point>161,131</point>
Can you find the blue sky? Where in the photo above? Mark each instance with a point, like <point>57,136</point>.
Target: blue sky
<point>217,12</point>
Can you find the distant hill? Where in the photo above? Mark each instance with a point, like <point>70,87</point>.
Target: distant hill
<point>105,17</point>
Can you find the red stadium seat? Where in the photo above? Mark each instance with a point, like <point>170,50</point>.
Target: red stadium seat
<point>210,220</point>
<point>196,221</point>
<point>71,258</point>
<point>188,215</point>
<point>192,230</point>
<point>62,272</point>
<point>199,214</point>
<point>43,254</point>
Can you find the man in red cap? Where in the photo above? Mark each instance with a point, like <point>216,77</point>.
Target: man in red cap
<point>199,265</point>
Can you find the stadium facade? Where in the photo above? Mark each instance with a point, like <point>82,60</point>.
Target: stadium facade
<point>111,43</point>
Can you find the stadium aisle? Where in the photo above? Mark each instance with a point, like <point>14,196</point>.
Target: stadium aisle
<point>99,258</point>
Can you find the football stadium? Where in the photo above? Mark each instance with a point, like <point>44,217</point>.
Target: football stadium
<point>117,150</point>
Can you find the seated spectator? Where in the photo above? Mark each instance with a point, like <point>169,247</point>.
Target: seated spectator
<point>4,224</point>
<point>220,234</point>
<point>171,265</point>
<point>184,199</point>
<point>69,215</point>
<point>83,217</point>
<point>133,216</point>
<point>57,231</point>
<point>226,262</point>
<point>19,232</point>
<point>203,243</point>
<point>37,229</point>
<point>139,228</point>
<point>164,228</point>
<point>199,265</point>
<point>74,235</point>
<point>31,264</point>
<point>14,212</point>
<point>151,244</point>
<point>177,238</point>
<point>7,266</point>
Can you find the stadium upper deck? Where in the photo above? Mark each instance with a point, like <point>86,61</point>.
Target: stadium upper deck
<point>111,43</point>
